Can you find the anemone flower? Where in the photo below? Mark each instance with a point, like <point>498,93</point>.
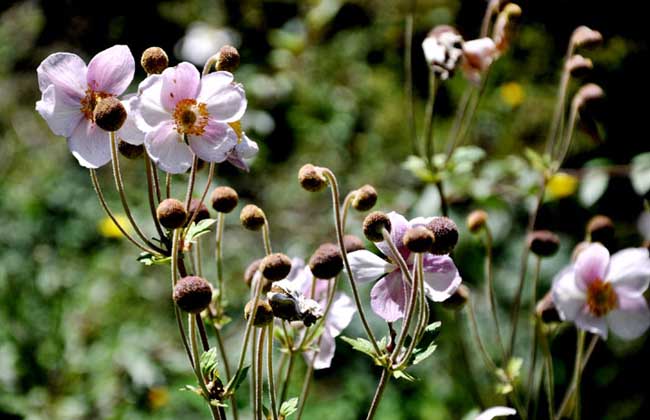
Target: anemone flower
<point>71,91</point>
<point>184,115</point>
<point>599,292</point>
<point>478,55</point>
<point>389,295</point>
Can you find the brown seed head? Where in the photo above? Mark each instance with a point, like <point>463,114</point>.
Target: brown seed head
<point>171,213</point>
<point>365,198</point>
<point>418,239</point>
<point>352,243</point>
<point>600,229</point>
<point>373,225</point>
<point>263,314</point>
<point>445,232</point>
<point>154,60</point>
<point>326,262</point>
<point>311,178</point>
<point>224,199</point>
<point>130,151</point>
<point>192,294</point>
<point>543,243</point>
<point>109,114</point>
<point>545,309</point>
<point>201,210</point>
<point>476,220</point>
<point>228,59</point>
<point>275,266</point>
<point>252,217</point>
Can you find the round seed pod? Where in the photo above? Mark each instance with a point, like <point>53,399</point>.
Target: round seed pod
<point>476,220</point>
<point>130,151</point>
<point>326,262</point>
<point>250,272</point>
<point>311,178</point>
<point>228,59</point>
<point>109,114</point>
<point>445,232</point>
<point>154,60</point>
<point>365,198</point>
<point>275,266</point>
<point>546,310</point>
<point>201,210</point>
<point>457,300</point>
<point>418,239</point>
<point>352,243</point>
<point>373,225</point>
<point>543,243</point>
<point>263,314</point>
<point>224,199</point>
<point>600,229</point>
<point>252,217</point>
<point>171,213</point>
<point>192,294</point>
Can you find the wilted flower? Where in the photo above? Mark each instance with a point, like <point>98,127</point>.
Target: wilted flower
<point>70,93</point>
<point>599,293</point>
<point>183,115</point>
<point>443,47</point>
<point>478,55</point>
<point>389,295</point>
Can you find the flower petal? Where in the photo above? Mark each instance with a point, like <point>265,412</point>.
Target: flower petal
<point>399,226</point>
<point>388,297</point>
<point>326,351</point>
<point>629,269</point>
<point>591,264</point>
<point>216,143</point>
<point>180,82</point>
<point>569,299</point>
<point>367,266</point>
<point>593,324</point>
<point>167,149</point>
<point>66,71</point>
<point>498,411</point>
<point>60,112</point>
<point>440,276</point>
<point>129,132</point>
<point>631,318</point>
<point>340,314</point>
<point>148,110</point>
<point>111,70</point>
<point>245,149</point>
<point>226,100</point>
<point>90,145</point>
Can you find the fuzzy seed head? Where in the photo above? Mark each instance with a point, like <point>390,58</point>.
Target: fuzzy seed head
<point>476,220</point>
<point>365,198</point>
<point>373,225</point>
<point>252,217</point>
<point>418,239</point>
<point>326,262</point>
<point>546,311</point>
<point>275,266</point>
<point>130,151</point>
<point>154,60</point>
<point>311,178</point>
<point>543,243</point>
<point>352,243</point>
<point>600,229</point>
<point>584,36</point>
<point>201,210</point>
<point>445,232</point>
<point>263,314</point>
<point>109,114</point>
<point>171,213</point>
<point>228,59</point>
<point>192,294</point>
<point>224,199</point>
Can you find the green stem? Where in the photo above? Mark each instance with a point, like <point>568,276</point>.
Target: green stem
<point>379,392</point>
<point>533,347</point>
<point>205,192</point>
<point>197,367</point>
<point>574,388</point>
<point>490,289</point>
<point>409,314</point>
<point>557,121</point>
<point>266,236</point>
<point>259,383</point>
<point>269,371</point>
<point>548,373</point>
<point>150,194</point>
<point>177,311</point>
<point>168,185</point>
<point>218,256</point>
<point>287,377</point>
<point>489,364</point>
<point>408,77</point>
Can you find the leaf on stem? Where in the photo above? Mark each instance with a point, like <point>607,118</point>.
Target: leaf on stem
<point>288,407</point>
<point>209,363</point>
<point>236,381</point>
<point>197,230</point>
<point>149,259</point>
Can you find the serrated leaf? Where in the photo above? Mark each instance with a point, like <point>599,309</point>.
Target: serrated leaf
<point>209,362</point>
<point>149,259</point>
<point>640,173</point>
<point>236,380</point>
<point>593,186</point>
<point>288,407</point>
<point>199,229</point>
<point>400,374</point>
<point>418,168</point>
<point>360,344</point>
<point>421,354</point>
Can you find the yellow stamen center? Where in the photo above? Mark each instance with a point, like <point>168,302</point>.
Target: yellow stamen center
<point>601,298</point>
<point>90,101</point>
<point>190,117</point>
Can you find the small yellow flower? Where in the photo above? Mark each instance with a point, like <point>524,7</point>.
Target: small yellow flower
<point>108,229</point>
<point>512,93</point>
<point>561,185</point>
<point>158,397</point>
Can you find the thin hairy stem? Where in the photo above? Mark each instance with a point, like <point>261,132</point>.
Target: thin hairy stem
<point>202,332</point>
<point>573,391</point>
<point>489,363</point>
<point>566,141</point>
<point>346,207</point>
<point>492,7</point>
<point>259,383</point>
<point>269,371</point>
<point>490,289</point>
<point>266,236</point>
<point>218,256</point>
<point>191,181</point>
<point>203,195</point>
<point>287,377</point>
<point>150,194</point>
<point>379,392</point>
<point>168,185</point>
<point>533,347</point>
<point>557,122</point>
<point>409,313</point>
<point>249,325</point>
<point>177,311</point>
<point>197,368</point>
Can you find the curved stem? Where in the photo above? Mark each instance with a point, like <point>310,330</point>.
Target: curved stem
<point>408,76</point>
<point>555,132</point>
<point>487,17</point>
<point>205,192</point>
<point>269,371</point>
<point>346,207</point>
<point>197,367</point>
<point>419,289</point>
<point>578,367</point>
<point>266,236</point>
<point>566,141</point>
<point>259,383</point>
<point>150,194</point>
<point>409,313</point>
<point>490,286</point>
<point>168,185</point>
<point>379,392</point>
<point>489,364</point>
<point>191,180</point>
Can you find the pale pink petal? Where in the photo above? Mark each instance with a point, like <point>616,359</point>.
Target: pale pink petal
<point>480,53</point>
<point>226,100</point>
<point>90,145</point>
<point>399,226</point>
<point>591,264</point>
<point>296,273</point>
<point>569,299</point>
<point>66,71</point>
<point>326,350</point>
<point>216,142</point>
<point>498,411</point>
<point>111,70</point>
<point>60,112</point>
<point>367,266</point>
<point>388,297</point>
<point>629,269</point>
<point>147,108</point>
<point>631,318</point>
<point>341,314</point>
<point>167,150</point>
<point>440,276</point>
<point>245,149</point>
<point>590,323</point>
<point>129,132</point>
<point>180,82</point>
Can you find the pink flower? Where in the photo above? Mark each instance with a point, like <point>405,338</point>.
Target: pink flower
<point>389,295</point>
<point>478,55</point>
<point>70,92</point>
<point>245,149</point>
<point>600,293</point>
<point>184,115</point>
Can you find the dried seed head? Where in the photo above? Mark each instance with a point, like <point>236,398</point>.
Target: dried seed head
<point>311,178</point>
<point>154,60</point>
<point>275,266</point>
<point>201,210</point>
<point>443,48</point>
<point>600,229</point>
<point>130,151</point>
<point>543,243</point>
<point>224,199</point>
<point>583,36</point>
<point>109,114</point>
<point>418,239</point>
<point>326,262</point>
<point>476,220</point>
<point>171,213</point>
<point>192,294</point>
<point>577,65</point>
<point>373,225</point>
<point>263,314</point>
<point>352,243</point>
<point>445,232</point>
<point>228,59</point>
<point>458,299</point>
<point>252,217</point>
<point>365,198</point>
<point>546,311</point>
<point>587,93</point>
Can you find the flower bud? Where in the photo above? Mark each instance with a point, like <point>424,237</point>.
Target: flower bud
<point>504,26</point>
<point>201,210</point>
<point>228,59</point>
<point>600,229</point>
<point>458,299</point>
<point>545,309</point>
<point>476,220</point>
<point>192,294</point>
<point>586,94</point>
<point>109,114</point>
<point>442,48</point>
<point>352,243</point>
<point>543,243</point>
<point>263,314</point>
<point>326,262</point>
<point>418,239</point>
<point>275,266</point>
<point>252,217</point>
<point>224,199</point>
<point>581,246</point>
<point>373,225</point>
<point>154,60</point>
<point>445,233</point>
<point>311,178</point>
<point>478,55</point>
<point>578,65</point>
<point>583,36</point>
<point>365,198</point>
<point>130,151</point>
<point>171,213</point>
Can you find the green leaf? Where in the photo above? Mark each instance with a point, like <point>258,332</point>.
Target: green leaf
<point>149,259</point>
<point>640,173</point>
<point>288,407</point>
<point>513,369</point>
<point>209,362</point>
<point>420,354</point>
<point>360,344</point>
<point>593,186</point>
<point>467,154</point>
<point>236,380</point>
<point>427,346</point>
<point>400,374</point>
<point>418,167</point>
<point>197,230</point>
